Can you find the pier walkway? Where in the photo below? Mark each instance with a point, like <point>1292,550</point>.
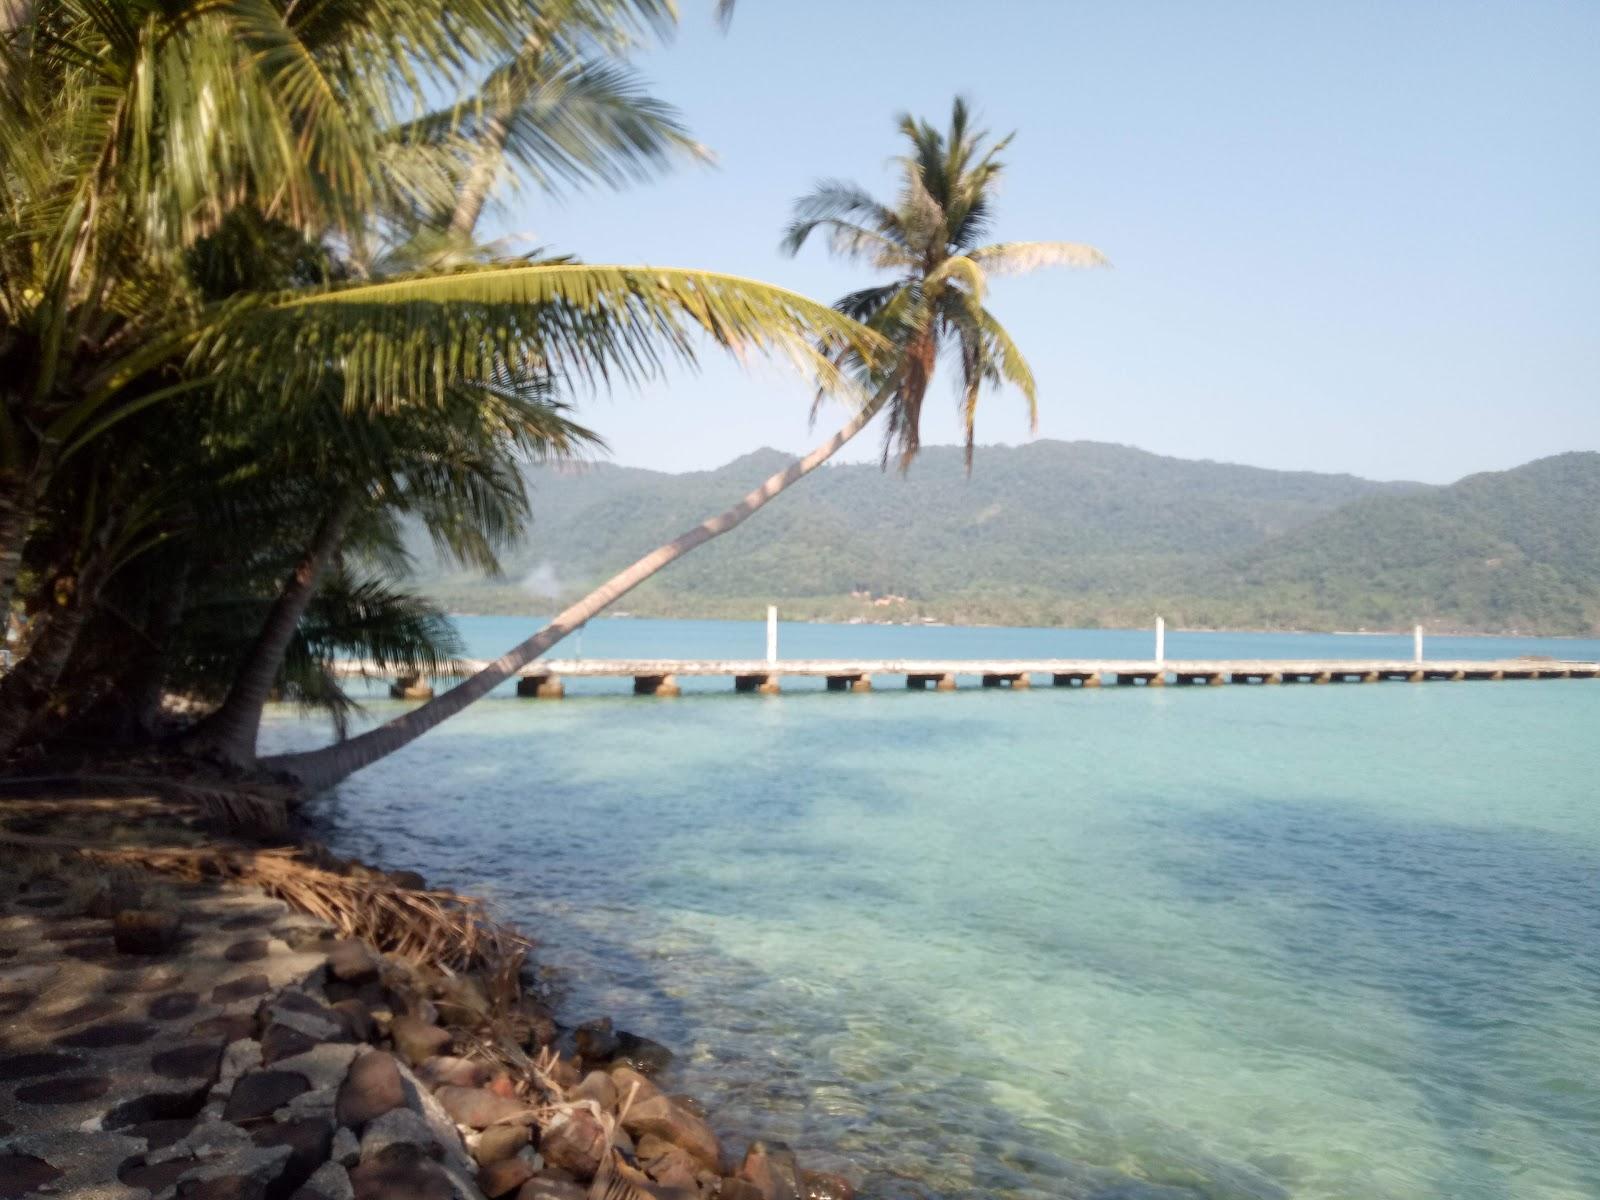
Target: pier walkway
<point>659,677</point>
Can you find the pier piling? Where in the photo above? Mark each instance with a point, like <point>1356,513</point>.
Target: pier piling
<point>411,687</point>
<point>543,687</point>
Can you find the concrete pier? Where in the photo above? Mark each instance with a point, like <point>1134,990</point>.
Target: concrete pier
<point>660,677</point>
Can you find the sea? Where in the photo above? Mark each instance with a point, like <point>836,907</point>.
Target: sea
<point>1327,943</point>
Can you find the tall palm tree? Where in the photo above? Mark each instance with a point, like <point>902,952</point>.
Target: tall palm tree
<point>931,239</point>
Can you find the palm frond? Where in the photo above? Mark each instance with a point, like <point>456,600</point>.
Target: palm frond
<point>837,201</point>
<point>1018,258</point>
<point>406,341</point>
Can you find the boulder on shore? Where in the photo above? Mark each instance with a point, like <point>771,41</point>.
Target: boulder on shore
<point>477,1108</point>
<point>660,1116</point>
<point>772,1169</point>
<point>575,1141</point>
<point>371,1088</point>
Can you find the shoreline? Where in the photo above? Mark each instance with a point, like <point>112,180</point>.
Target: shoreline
<point>1513,635</point>
<point>402,991</point>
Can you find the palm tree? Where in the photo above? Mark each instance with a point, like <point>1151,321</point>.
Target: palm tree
<point>131,132</point>
<point>930,238</point>
<point>117,158</point>
<point>454,467</point>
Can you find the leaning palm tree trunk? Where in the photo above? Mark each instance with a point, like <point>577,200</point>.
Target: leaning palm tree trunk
<point>230,732</point>
<point>318,770</point>
<point>491,149</point>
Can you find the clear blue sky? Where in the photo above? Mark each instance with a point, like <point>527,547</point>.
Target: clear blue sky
<point>1347,237</point>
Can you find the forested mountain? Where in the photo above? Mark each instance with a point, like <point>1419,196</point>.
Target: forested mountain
<point>1081,533</point>
<point>1516,549</point>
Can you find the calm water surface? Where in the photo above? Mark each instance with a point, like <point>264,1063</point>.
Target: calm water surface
<point>1312,942</point>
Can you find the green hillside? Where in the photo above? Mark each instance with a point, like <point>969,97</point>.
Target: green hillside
<point>1076,533</point>
<point>1505,550</point>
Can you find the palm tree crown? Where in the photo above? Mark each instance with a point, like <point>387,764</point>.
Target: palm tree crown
<point>932,239</point>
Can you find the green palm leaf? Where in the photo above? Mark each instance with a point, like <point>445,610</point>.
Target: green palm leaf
<point>405,340</point>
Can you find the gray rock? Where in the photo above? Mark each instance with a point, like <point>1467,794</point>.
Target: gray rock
<point>426,1105</point>
<point>319,1026</point>
<point>346,1148</point>
<point>258,1094</point>
<point>280,1042</point>
<point>399,1125</point>
<point>324,1065</point>
<point>239,1057</point>
<point>318,1102</point>
<point>310,1141</point>
<point>206,1140</point>
<point>332,1181</point>
<point>259,1165</point>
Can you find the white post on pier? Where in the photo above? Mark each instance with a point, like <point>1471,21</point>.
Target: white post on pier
<point>1161,640</point>
<point>772,633</point>
<point>1416,644</point>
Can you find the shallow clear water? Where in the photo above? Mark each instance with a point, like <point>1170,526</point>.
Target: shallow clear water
<point>1243,942</point>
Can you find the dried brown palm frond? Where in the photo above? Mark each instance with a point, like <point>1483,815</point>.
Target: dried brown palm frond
<point>620,1180</point>
<point>438,927</point>
<point>535,1075</point>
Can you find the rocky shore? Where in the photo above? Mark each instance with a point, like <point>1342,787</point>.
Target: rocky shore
<point>188,1035</point>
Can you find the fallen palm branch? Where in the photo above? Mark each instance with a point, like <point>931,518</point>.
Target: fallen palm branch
<point>440,928</point>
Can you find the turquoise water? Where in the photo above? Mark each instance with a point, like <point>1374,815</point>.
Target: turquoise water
<point>1317,942</point>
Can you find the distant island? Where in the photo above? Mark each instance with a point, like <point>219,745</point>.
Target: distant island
<point>1077,534</point>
